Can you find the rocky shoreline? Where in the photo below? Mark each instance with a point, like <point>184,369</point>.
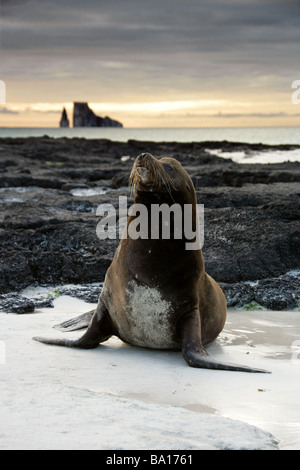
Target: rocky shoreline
<point>50,190</point>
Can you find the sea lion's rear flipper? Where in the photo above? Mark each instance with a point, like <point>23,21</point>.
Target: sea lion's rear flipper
<point>100,329</point>
<point>77,323</point>
<point>195,354</point>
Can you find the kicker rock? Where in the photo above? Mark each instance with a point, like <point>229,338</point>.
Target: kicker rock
<point>83,116</point>
<point>64,121</point>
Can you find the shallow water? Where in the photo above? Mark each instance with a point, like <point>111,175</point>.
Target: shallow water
<point>273,156</point>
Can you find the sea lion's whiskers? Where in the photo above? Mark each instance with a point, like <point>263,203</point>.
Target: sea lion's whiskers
<point>132,180</point>
<point>158,175</point>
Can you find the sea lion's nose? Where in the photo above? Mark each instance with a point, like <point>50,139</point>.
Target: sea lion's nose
<point>144,156</point>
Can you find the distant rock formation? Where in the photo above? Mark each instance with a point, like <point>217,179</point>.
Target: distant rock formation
<point>83,116</point>
<point>64,121</point>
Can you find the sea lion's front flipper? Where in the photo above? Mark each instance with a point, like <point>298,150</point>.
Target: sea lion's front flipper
<point>100,329</point>
<point>77,323</point>
<point>194,352</point>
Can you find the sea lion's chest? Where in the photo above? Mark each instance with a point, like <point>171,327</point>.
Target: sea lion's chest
<point>146,318</point>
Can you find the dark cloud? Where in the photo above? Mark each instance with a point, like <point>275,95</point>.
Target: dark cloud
<point>183,42</point>
<point>148,26</point>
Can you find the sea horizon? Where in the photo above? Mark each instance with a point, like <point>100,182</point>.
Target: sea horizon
<point>263,135</point>
<point>273,136</point>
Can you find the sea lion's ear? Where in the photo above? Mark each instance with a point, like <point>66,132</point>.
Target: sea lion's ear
<point>168,168</point>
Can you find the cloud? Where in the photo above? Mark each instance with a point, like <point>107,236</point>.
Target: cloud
<point>5,110</point>
<point>141,50</point>
<point>226,115</point>
<point>42,108</point>
<point>152,31</point>
<point>256,115</point>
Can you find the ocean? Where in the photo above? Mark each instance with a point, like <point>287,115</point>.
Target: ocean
<point>264,135</point>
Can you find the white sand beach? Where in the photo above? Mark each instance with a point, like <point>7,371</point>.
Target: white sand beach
<point>122,397</point>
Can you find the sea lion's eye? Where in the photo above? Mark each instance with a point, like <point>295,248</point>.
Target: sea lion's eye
<point>168,168</point>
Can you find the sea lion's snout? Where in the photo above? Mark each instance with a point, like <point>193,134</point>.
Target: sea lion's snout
<point>143,174</point>
<point>150,174</point>
<point>144,156</point>
<point>145,160</point>
<point>142,170</point>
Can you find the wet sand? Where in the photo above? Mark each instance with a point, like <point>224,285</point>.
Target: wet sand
<point>118,396</point>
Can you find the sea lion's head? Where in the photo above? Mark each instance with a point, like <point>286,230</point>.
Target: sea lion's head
<point>164,175</point>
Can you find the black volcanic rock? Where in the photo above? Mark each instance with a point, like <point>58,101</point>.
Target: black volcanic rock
<point>48,227</point>
<point>14,303</point>
<point>272,293</point>
<point>83,116</point>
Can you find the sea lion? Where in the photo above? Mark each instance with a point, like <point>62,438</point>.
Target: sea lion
<point>156,293</point>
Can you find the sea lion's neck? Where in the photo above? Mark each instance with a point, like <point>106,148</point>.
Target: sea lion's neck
<point>153,197</point>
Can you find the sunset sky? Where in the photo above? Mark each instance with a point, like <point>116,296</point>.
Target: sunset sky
<point>154,63</point>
